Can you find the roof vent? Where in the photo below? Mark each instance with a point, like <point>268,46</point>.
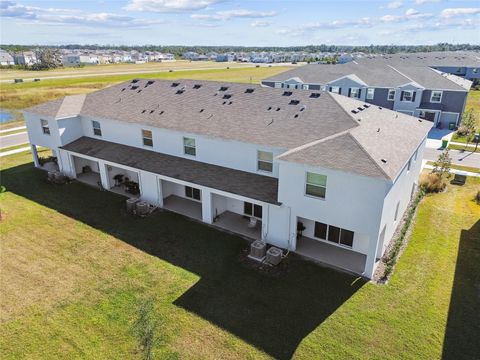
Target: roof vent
<point>161,112</point>
<point>149,82</point>
<point>366,106</point>
<point>378,130</point>
<point>134,81</point>
<point>151,111</point>
<point>354,111</point>
<point>420,120</point>
<point>123,89</point>
<point>180,91</point>
<point>227,96</point>
<point>269,108</point>
<point>287,93</point>
<point>278,109</point>
<point>249,91</point>
<point>143,111</point>
<point>197,86</point>
<point>360,108</point>
<point>315,95</point>
<point>294,102</point>
<point>383,161</point>
<point>296,116</point>
<point>139,90</point>
<point>223,88</point>
<point>175,84</point>
<point>224,103</point>
<point>380,108</point>
<point>134,87</point>
<point>303,108</point>
<point>201,110</point>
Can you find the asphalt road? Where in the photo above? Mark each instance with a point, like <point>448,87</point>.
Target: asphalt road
<point>14,139</point>
<point>466,158</point>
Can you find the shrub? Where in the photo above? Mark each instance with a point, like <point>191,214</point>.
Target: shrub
<point>462,131</point>
<point>478,197</point>
<point>432,183</point>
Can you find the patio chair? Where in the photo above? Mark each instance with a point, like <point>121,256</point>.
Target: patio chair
<point>252,223</point>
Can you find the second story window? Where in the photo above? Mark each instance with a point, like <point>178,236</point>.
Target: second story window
<point>391,95</point>
<point>264,161</point>
<point>370,94</point>
<point>335,90</point>
<point>147,138</point>
<point>408,96</point>
<point>45,127</point>
<point>97,130</point>
<point>436,97</point>
<point>189,146</point>
<point>316,185</point>
<point>354,92</point>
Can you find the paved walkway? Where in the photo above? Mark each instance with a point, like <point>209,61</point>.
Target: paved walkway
<point>465,158</point>
<point>16,151</point>
<point>13,139</point>
<point>12,129</point>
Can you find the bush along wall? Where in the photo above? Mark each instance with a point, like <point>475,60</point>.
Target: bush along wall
<point>398,242</point>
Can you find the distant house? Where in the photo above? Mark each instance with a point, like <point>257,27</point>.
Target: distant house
<point>309,172</point>
<point>225,58</point>
<point>78,59</point>
<point>344,58</point>
<point>6,59</point>
<point>25,58</point>
<point>414,90</point>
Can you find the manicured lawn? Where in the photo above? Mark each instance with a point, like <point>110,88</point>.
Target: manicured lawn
<point>469,148</point>
<point>75,268</point>
<point>459,167</point>
<point>473,102</point>
<point>14,147</point>
<point>19,96</point>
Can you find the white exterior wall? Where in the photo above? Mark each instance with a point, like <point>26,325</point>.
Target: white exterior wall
<point>227,153</point>
<point>400,191</point>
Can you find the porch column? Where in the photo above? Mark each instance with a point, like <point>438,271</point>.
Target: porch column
<point>265,214</point>
<point>35,155</point>
<point>160,193</point>
<point>207,213</point>
<point>103,175</point>
<point>371,256</point>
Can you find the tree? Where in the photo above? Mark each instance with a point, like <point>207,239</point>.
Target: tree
<point>47,59</point>
<point>469,123</point>
<point>442,166</point>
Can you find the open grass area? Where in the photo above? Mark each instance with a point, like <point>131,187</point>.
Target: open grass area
<point>75,270</point>
<point>473,102</point>
<point>459,167</point>
<point>19,96</point>
<point>467,148</point>
<point>9,148</point>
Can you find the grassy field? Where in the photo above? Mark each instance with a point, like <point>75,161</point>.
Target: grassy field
<point>473,102</point>
<point>19,96</point>
<point>75,270</point>
<point>7,74</point>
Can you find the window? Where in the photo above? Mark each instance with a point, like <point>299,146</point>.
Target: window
<point>305,87</point>
<point>396,211</point>
<point>147,138</point>
<point>409,165</point>
<point>335,90</point>
<point>96,128</point>
<point>407,96</point>
<point>320,230</point>
<point>354,92</point>
<point>334,234</point>
<point>192,193</point>
<point>316,185</point>
<point>252,210</point>
<point>264,161</point>
<point>278,85</point>
<point>45,127</point>
<point>189,146</point>
<point>436,97</point>
<point>346,237</point>
<point>391,95</point>
<point>323,88</point>
<point>370,94</point>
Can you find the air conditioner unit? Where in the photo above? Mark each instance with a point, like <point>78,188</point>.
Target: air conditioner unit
<point>274,256</point>
<point>131,202</point>
<point>142,208</point>
<point>257,250</point>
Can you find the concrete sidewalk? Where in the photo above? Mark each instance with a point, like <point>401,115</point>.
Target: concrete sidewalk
<point>13,139</point>
<point>465,158</point>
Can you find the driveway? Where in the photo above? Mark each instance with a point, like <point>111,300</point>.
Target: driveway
<point>13,140</point>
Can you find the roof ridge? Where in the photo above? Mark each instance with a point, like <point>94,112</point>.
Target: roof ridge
<point>398,71</point>
<point>369,156</point>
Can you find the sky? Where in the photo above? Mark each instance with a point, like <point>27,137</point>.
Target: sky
<point>243,23</point>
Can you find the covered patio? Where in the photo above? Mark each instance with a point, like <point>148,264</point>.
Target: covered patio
<point>239,224</point>
<point>87,171</point>
<point>331,255</point>
<point>183,206</point>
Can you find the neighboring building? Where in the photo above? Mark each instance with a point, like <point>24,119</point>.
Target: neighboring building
<point>414,90</point>
<point>464,64</point>
<point>25,58</point>
<point>6,59</point>
<point>225,58</point>
<point>78,59</point>
<point>253,160</point>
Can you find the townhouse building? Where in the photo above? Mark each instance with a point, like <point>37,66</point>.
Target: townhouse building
<point>419,91</point>
<point>308,171</point>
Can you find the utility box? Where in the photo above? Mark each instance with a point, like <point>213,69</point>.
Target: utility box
<point>258,250</point>
<point>130,203</point>
<point>142,208</point>
<point>274,256</point>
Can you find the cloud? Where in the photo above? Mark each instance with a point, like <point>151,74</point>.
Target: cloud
<point>395,5</point>
<point>165,6</point>
<point>261,23</point>
<point>10,9</point>
<point>410,14</point>
<point>421,2</point>
<point>230,14</point>
<point>455,12</point>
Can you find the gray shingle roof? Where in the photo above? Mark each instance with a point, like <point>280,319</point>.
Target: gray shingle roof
<point>253,186</point>
<point>252,117</point>
<point>436,58</point>
<point>373,73</point>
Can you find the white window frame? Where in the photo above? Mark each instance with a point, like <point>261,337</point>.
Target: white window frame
<point>185,147</point>
<point>354,91</point>
<point>335,89</point>
<point>147,137</point>
<point>315,185</point>
<point>323,88</point>
<point>370,93</point>
<point>278,85</point>
<point>193,190</point>
<point>259,160</point>
<point>432,96</point>
<point>45,126</point>
<point>391,94</point>
<point>96,128</point>
<point>410,92</point>
<point>305,86</point>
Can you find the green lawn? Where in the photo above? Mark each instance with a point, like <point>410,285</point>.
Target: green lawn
<point>473,102</point>
<point>75,269</point>
<point>459,167</point>
<point>469,148</point>
<point>14,147</point>
<point>22,95</point>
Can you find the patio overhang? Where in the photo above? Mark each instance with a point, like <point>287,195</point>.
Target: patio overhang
<point>252,186</point>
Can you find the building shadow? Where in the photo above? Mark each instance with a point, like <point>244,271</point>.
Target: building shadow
<point>462,335</point>
<point>272,312</point>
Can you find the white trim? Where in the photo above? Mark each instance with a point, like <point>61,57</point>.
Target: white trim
<point>394,94</point>
<point>431,96</point>
<point>411,95</point>
<point>407,112</point>
<point>450,112</point>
